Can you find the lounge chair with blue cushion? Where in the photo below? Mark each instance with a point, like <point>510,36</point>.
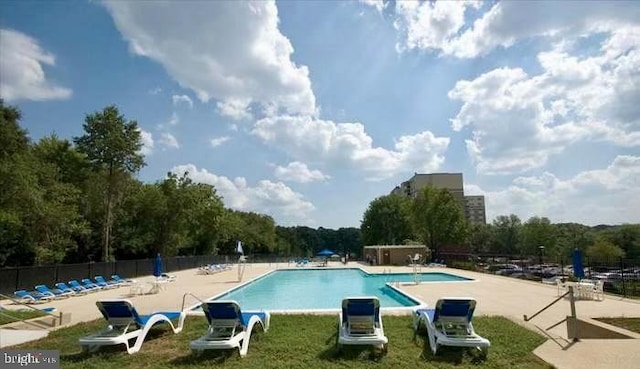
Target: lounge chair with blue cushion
<point>78,287</point>
<point>125,324</point>
<point>229,327</point>
<point>53,292</point>
<point>66,288</point>
<point>87,283</point>
<point>360,323</point>
<point>449,324</point>
<point>31,297</point>
<point>100,281</point>
<point>124,282</point>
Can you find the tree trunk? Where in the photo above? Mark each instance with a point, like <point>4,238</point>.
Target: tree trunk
<point>106,230</point>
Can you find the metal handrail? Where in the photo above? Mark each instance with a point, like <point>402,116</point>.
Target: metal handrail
<point>572,305</point>
<point>58,316</point>
<point>24,320</point>
<point>184,299</point>
<point>526,319</point>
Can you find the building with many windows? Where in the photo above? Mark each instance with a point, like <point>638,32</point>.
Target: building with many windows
<point>473,206</point>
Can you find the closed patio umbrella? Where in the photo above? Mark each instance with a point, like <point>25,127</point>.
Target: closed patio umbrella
<point>157,266</point>
<point>578,270</point>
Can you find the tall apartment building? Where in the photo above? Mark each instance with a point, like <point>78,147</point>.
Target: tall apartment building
<point>474,209</point>
<point>473,206</point>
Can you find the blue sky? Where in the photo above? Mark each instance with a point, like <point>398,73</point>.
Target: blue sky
<point>309,110</point>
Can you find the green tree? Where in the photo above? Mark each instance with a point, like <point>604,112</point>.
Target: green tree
<point>140,221</point>
<point>349,240</point>
<point>256,231</point>
<point>204,219</point>
<point>437,219</point>
<point>603,249</point>
<point>507,234</point>
<point>480,237</point>
<point>387,221</point>
<point>112,146</point>
<point>19,191</point>
<point>537,232</point>
<point>13,139</point>
<point>39,218</point>
<point>59,224</point>
<point>627,237</point>
<point>572,236</point>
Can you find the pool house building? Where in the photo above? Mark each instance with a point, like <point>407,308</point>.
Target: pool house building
<point>394,254</point>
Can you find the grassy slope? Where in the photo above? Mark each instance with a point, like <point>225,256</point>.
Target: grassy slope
<point>299,341</point>
<point>632,324</point>
<point>18,315</point>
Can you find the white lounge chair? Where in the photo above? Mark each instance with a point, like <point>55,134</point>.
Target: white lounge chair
<point>126,324</point>
<point>229,327</point>
<point>360,323</point>
<point>449,324</point>
<point>31,297</point>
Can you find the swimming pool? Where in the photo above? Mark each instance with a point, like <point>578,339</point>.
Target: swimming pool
<point>315,289</point>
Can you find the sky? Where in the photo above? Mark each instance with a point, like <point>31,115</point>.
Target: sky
<point>309,110</point>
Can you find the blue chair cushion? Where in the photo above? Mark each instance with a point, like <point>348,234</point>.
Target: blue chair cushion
<point>246,316</point>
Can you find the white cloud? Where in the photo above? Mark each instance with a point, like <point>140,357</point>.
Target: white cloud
<point>155,91</point>
<point>237,109</point>
<point>169,140</point>
<point>231,51</point>
<point>519,121</point>
<point>379,5</point>
<point>147,142</point>
<point>610,195</point>
<point>217,141</point>
<point>274,198</point>
<point>347,144</point>
<point>299,172</point>
<point>441,25</point>
<point>21,69</point>
<point>430,25</point>
<point>174,120</point>
<point>177,99</point>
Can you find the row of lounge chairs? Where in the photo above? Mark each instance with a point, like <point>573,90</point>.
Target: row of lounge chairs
<point>213,269</point>
<point>359,323</point>
<point>43,293</point>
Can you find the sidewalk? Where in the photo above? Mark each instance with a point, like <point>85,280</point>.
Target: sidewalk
<point>496,295</point>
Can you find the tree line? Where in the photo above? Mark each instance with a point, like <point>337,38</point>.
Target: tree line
<point>434,218</point>
<point>78,200</point>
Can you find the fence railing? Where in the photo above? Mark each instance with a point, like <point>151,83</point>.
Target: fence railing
<point>620,276</point>
<point>17,278</point>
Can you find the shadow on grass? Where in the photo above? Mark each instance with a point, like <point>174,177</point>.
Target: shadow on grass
<point>217,356</point>
<point>208,356</point>
<point>82,355</point>
<point>448,354</point>
<point>351,352</point>
<point>336,352</point>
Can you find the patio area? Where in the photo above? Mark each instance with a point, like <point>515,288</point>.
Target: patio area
<point>496,295</point>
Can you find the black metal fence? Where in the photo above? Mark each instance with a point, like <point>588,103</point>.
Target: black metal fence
<point>18,278</point>
<point>620,276</point>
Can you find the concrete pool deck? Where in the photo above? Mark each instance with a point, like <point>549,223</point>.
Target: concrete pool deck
<point>496,295</point>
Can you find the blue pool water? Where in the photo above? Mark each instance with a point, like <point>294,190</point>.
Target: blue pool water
<point>325,289</point>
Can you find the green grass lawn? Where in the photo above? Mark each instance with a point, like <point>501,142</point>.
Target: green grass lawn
<point>302,341</point>
<point>18,315</point>
<point>632,324</point>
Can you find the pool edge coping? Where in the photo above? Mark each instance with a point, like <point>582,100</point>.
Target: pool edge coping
<point>405,309</point>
